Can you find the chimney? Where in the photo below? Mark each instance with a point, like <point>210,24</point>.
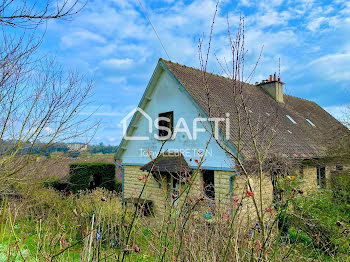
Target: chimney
<point>273,87</point>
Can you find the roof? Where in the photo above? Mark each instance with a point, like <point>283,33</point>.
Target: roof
<point>268,117</point>
<point>167,162</point>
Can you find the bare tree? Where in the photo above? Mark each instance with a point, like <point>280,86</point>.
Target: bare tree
<point>39,101</point>
<point>183,235</point>
<point>31,14</point>
<point>251,136</point>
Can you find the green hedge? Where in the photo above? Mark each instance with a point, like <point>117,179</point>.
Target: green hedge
<point>91,175</point>
<point>57,184</point>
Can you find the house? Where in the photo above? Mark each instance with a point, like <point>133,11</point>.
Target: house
<point>175,98</point>
<point>77,146</point>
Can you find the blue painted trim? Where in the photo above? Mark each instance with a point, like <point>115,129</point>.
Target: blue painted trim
<point>122,169</point>
<point>213,168</point>
<point>134,164</point>
<point>231,185</point>
<point>193,167</point>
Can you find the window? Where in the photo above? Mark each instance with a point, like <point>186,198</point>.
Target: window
<point>321,176</point>
<point>208,179</point>
<point>339,167</point>
<point>291,119</point>
<point>310,122</point>
<point>166,120</point>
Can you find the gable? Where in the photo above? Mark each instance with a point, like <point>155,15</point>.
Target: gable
<point>165,94</point>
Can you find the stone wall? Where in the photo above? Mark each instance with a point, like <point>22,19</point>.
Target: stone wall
<point>159,191</point>
<point>155,191</point>
<point>309,179</point>
<point>223,194</point>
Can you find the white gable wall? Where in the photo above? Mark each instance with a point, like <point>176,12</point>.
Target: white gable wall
<point>167,96</point>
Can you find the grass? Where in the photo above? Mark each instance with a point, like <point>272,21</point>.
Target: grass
<point>28,247</point>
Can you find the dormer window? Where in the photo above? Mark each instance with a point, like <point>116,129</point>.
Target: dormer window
<point>309,121</point>
<point>166,123</point>
<point>290,119</point>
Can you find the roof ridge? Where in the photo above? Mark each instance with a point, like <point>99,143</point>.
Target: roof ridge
<point>307,100</point>
<point>193,68</point>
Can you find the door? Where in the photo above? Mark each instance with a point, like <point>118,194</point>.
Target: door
<point>321,176</point>
<point>209,184</point>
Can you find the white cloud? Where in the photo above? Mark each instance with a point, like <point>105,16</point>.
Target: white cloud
<point>116,63</point>
<point>346,8</point>
<point>111,139</point>
<point>49,130</point>
<point>105,49</point>
<point>315,24</point>
<point>123,3</point>
<point>78,37</point>
<point>272,18</point>
<point>333,67</point>
<point>339,112</point>
<point>117,79</point>
<point>246,2</point>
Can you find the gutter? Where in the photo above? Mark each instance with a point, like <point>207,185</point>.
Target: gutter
<point>122,169</point>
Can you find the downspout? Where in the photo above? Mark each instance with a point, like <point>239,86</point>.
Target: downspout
<point>231,185</point>
<point>122,169</point>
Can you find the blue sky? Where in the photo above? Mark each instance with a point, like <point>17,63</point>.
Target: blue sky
<point>112,41</point>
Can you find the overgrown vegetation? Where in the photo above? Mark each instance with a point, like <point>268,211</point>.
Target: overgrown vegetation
<point>45,224</point>
<point>317,224</point>
<point>42,224</point>
<point>91,175</point>
<point>341,187</point>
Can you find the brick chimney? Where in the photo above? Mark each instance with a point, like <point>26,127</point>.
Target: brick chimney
<point>274,87</point>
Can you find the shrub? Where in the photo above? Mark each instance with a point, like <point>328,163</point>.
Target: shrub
<point>321,219</point>
<point>341,186</point>
<point>56,183</point>
<point>91,175</point>
<point>73,154</point>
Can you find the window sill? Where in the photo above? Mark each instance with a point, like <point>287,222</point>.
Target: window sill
<point>161,139</point>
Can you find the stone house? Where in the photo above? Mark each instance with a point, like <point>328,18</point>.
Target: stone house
<point>175,97</point>
<point>77,146</point>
